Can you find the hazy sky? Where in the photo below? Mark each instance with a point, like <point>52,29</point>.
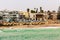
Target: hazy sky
<point>23,4</point>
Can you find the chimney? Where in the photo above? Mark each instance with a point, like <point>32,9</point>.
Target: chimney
<point>41,10</point>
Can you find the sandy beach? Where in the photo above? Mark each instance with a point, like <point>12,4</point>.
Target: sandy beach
<point>30,26</point>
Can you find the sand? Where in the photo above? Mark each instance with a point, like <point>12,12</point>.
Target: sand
<point>30,26</point>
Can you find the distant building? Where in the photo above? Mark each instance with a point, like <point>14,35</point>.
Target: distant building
<point>8,15</point>
<point>38,16</point>
<point>25,14</point>
<point>41,16</point>
<point>58,13</point>
<point>54,14</point>
<point>33,16</point>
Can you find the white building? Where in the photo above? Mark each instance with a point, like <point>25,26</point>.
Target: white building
<point>39,16</point>
<point>7,15</point>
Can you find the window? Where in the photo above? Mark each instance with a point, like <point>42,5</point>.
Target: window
<point>4,15</point>
<point>14,15</point>
<point>1,18</point>
<point>10,12</point>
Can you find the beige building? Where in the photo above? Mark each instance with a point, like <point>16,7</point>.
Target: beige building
<point>39,16</point>
<point>24,13</point>
<point>54,14</point>
<point>33,15</point>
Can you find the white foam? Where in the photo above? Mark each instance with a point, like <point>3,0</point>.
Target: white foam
<point>39,28</point>
<point>1,31</point>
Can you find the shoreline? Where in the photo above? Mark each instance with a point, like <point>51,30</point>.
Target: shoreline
<point>31,26</point>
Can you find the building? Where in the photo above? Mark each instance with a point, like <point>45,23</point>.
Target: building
<point>54,14</point>
<point>24,14</point>
<point>9,15</point>
<point>35,15</point>
<point>58,13</point>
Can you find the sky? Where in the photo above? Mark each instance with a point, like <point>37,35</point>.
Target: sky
<point>24,4</point>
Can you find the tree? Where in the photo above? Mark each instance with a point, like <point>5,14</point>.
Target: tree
<point>32,11</point>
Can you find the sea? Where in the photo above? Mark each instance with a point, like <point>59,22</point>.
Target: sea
<point>48,33</point>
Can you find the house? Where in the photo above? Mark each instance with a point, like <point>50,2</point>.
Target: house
<point>8,15</point>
